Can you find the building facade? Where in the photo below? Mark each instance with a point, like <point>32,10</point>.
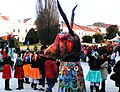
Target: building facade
<point>18,28</point>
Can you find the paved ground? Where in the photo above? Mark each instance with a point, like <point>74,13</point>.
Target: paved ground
<point>110,85</point>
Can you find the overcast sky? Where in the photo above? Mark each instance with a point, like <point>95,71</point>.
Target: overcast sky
<point>18,9</point>
<point>87,12</point>
<point>90,11</point>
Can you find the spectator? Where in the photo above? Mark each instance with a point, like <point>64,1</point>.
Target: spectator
<point>94,74</point>
<point>50,73</point>
<point>116,75</point>
<point>113,56</point>
<point>26,66</point>
<point>35,73</point>
<point>6,74</point>
<point>19,73</point>
<point>104,72</point>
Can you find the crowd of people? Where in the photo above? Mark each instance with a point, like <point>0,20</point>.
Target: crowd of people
<point>32,68</point>
<point>100,60</point>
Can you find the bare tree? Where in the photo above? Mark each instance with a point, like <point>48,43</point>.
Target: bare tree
<point>47,20</point>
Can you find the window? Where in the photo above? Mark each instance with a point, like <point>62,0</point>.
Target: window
<point>13,30</point>
<point>18,30</point>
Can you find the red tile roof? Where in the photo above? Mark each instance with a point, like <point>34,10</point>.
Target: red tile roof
<point>85,28</point>
<point>96,29</point>
<point>5,17</point>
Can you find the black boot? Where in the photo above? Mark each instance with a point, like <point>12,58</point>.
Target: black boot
<point>32,85</point>
<point>42,89</point>
<point>35,86</point>
<point>102,86</point>
<point>22,84</point>
<point>91,88</point>
<point>40,81</point>
<point>97,88</point>
<point>19,85</point>
<point>27,80</point>
<point>7,85</point>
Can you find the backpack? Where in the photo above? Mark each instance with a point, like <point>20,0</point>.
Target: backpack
<point>19,62</point>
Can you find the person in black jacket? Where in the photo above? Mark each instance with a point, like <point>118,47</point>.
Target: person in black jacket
<point>116,75</point>
<point>94,74</point>
<point>7,74</point>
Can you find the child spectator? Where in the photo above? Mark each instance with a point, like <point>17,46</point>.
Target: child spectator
<point>7,68</point>
<point>94,74</point>
<point>51,72</point>
<point>19,73</point>
<point>34,72</point>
